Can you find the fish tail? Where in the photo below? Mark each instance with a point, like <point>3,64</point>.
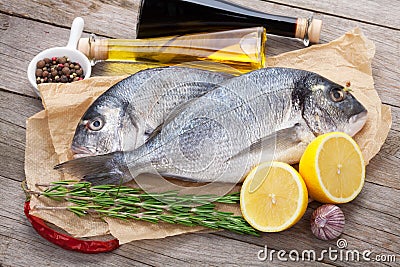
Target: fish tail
<point>102,169</point>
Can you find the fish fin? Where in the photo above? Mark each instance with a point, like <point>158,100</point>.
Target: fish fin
<point>102,169</point>
<point>268,145</point>
<point>289,137</point>
<point>156,131</point>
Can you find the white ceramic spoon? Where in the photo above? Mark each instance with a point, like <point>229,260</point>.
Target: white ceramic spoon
<point>69,51</point>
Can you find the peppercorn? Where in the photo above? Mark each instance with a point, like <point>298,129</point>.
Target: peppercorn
<point>58,69</point>
<point>39,72</point>
<point>65,70</point>
<point>40,64</point>
<point>62,60</point>
<point>64,79</point>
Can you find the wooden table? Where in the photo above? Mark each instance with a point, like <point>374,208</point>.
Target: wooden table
<point>30,26</point>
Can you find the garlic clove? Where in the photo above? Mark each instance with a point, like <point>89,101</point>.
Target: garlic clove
<point>327,222</point>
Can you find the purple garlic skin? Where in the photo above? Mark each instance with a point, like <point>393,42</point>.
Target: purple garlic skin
<point>327,222</point>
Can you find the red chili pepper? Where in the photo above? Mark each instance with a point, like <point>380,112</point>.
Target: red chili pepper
<point>66,241</point>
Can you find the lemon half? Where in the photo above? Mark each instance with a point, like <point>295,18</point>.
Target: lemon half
<point>273,197</point>
<point>333,168</point>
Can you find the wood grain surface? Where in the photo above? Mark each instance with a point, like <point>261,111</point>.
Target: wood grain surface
<point>372,220</point>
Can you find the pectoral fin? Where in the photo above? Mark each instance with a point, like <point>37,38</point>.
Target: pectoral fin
<point>272,144</point>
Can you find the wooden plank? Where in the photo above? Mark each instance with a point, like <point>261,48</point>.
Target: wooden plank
<point>110,18</point>
<point>14,110</point>
<point>383,13</point>
<point>22,246</point>
<point>384,168</point>
<point>386,68</point>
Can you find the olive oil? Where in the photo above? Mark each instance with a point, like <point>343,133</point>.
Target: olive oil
<point>242,49</point>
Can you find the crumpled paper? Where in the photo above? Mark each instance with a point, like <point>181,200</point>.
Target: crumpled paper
<point>49,132</point>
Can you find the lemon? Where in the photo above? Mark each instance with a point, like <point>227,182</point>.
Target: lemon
<point>273,197</point>
<point>333,168</point>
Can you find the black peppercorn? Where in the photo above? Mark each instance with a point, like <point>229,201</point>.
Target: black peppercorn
<point>64,79</point>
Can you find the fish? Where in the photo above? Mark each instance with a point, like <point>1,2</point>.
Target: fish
<point>137,105</point>
<point>221,135</point>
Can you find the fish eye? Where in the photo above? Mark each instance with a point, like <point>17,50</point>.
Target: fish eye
<point>95,124</point>
<point>337,95</point>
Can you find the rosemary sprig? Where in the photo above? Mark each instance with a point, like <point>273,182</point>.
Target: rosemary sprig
<point>132,203</point>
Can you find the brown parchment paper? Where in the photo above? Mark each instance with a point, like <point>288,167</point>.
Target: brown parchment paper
<point>49,132</point>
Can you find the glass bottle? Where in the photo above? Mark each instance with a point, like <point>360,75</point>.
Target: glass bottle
<point>174,17</point>
<point>242,49</point>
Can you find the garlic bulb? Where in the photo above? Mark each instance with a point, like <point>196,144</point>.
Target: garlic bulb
<point>327,222</point>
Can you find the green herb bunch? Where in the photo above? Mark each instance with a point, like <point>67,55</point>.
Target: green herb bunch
<point>126,203</point>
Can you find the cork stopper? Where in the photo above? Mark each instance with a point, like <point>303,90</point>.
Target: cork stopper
<point>312,29</point>
<point>94,50</point>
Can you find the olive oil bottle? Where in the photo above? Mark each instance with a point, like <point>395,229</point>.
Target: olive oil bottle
<point>241,49</point>
<point>173,17</point>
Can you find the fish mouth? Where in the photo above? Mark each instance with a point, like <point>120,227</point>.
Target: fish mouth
<point>356,123</point>
<point>80,152</point>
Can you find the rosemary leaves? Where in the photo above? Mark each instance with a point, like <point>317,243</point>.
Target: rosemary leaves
<point>133,203</point>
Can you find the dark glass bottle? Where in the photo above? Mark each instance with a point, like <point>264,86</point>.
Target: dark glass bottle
<point>174,17</point>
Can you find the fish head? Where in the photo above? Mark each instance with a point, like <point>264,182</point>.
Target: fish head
<point>329,107</point>
<point>102,129</point>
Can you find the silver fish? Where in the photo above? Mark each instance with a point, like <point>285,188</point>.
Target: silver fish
<point>137,105</point>
<point>221,135</point>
